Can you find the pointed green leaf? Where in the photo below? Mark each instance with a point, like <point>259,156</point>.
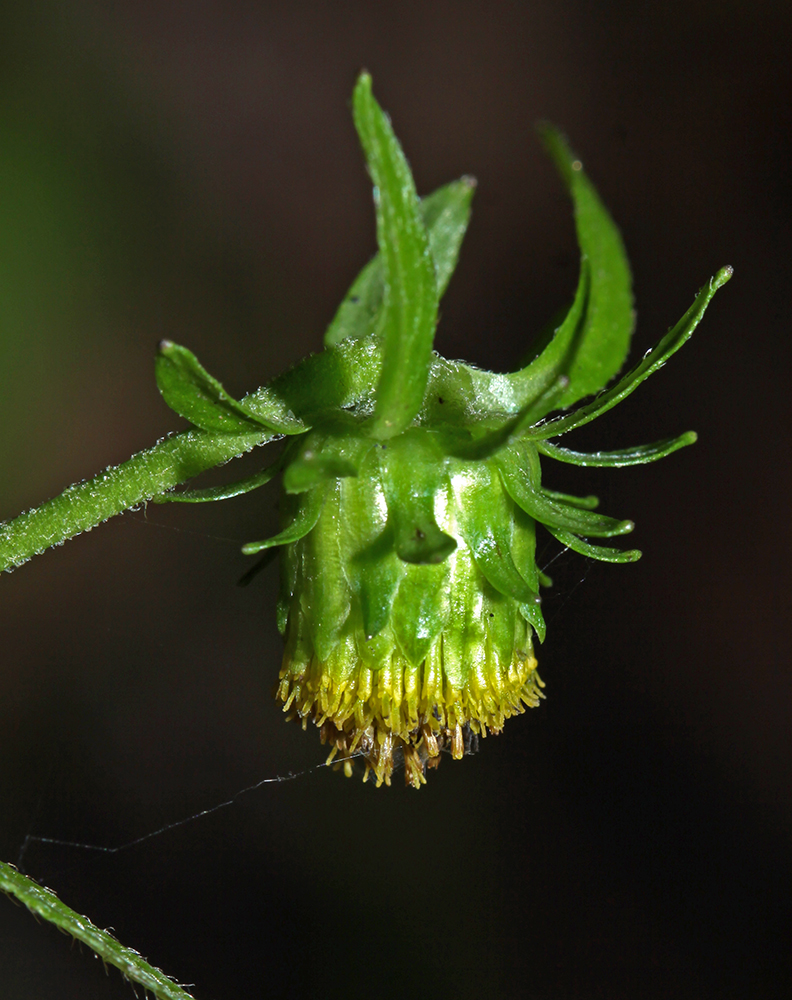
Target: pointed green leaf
<point>550,511</point>
<point>649,364</point>
<point>446,214</point>
<point>600,552</point>
<point>409,312</point>
<point>639,455</point>
<point>304,521</point>
<point>591,352</point>
<point>222,492</point>
<point>194,394</point>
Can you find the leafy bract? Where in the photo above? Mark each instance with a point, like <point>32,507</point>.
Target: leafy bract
<point>304,521</point>
<point>589,348</point>
<point>445,214</point>
<point>554,509</point>
<point>213,493</point>
<point>409,312</point>
<point>648,364</point>
<point>600,552</point>
<point>638,455</point>
<point>194,394</point>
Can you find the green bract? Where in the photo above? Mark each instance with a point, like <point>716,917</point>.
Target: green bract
<point>413,487</point>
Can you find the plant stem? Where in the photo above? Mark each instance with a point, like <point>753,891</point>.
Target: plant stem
<point>149,473</point>
<point>45,904</point>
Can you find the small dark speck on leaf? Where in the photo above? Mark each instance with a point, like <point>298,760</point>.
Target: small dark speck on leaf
<point>440,400</point>
<point>354,298</point>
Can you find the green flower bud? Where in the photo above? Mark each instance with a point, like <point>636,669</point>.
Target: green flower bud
<point>408,605</point>
<point>410,594</point>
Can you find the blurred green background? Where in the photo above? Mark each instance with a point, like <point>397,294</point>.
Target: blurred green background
<point>190,170</point>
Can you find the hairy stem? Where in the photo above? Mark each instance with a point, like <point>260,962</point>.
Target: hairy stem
<point>147,474</point>
<point>45,904</point>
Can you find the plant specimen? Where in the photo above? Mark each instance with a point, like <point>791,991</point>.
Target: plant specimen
<point>410,598</point>
<point>412,489</point>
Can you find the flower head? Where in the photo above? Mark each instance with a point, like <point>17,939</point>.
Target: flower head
<point>412,485</point>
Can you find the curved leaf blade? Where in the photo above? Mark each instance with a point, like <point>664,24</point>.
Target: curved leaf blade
<point>551,510</point>
<point>446,214</point>
<point>600,552</point>
<point>197,396</point>
<point>587,503</point>
<point>639,455</point>
<point>649,364</point>
<point>591,353</point>
<point>213,493</point>
<point>304,521</point>
<point>409,314</point>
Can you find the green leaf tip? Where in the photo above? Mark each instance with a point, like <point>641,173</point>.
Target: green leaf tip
<point>651,362</point>
<point>638,455</point>
<point>590,346</point>
<point>194,394</point>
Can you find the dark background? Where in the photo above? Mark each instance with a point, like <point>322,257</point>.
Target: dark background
<point>190,170</point>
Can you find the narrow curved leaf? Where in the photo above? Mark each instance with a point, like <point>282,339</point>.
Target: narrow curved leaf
<point>639,455</point>
<point>212,493</point>
<point>649,364</point>
<point>600,552</point>
<point>194,394</point>
<point>587,503</point>
<point>307,515</point>
<point>409,312</point>
<point>552,511</point>
<point>591,352</point>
